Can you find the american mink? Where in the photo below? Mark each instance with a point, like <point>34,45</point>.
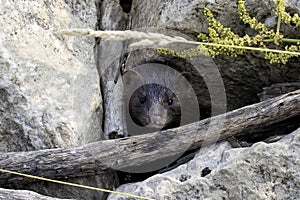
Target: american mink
<point>156,97</point>
<point>155,106</point>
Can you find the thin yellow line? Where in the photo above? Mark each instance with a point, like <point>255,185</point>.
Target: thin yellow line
<point>74,184</point>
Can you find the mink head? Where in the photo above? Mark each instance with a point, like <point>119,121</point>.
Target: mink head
<point>156,106</point>
<point>156,96</point>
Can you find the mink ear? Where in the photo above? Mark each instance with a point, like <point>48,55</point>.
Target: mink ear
<point>131,77</point>
<point>187,76</point>
<point>184,79</point>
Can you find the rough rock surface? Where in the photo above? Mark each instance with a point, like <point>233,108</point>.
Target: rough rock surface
<point>23,195</point>
<point>263,171</point>
<point>49,85</point>
<point>49,89</point>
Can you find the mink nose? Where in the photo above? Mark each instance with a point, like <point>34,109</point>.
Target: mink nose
<point>158,116</point>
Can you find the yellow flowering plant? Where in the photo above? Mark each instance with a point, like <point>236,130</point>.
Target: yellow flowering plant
<point>222,41</point>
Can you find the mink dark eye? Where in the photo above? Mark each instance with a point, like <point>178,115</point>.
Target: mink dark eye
<point>170,102</point>
<point>142,99</point>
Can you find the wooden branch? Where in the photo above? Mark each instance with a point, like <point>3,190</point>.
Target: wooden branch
<point>108,60</point>
<point>121,153</point>
<point>109,73</point>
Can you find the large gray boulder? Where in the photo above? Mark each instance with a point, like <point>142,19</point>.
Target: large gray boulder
<point>263,171</point>
<point>49,88</point>
<point>23,195</point>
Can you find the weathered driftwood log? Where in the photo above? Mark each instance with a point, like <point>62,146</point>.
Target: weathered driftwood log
<point>121,153</point>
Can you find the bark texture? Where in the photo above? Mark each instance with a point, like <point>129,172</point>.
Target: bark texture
<point>158,148</point>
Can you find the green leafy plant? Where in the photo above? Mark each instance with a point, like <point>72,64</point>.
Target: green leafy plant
<point>222,41</point>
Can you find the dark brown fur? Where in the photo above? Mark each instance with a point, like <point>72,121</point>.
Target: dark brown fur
<point>154,96</point>
<point>155,106</point>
